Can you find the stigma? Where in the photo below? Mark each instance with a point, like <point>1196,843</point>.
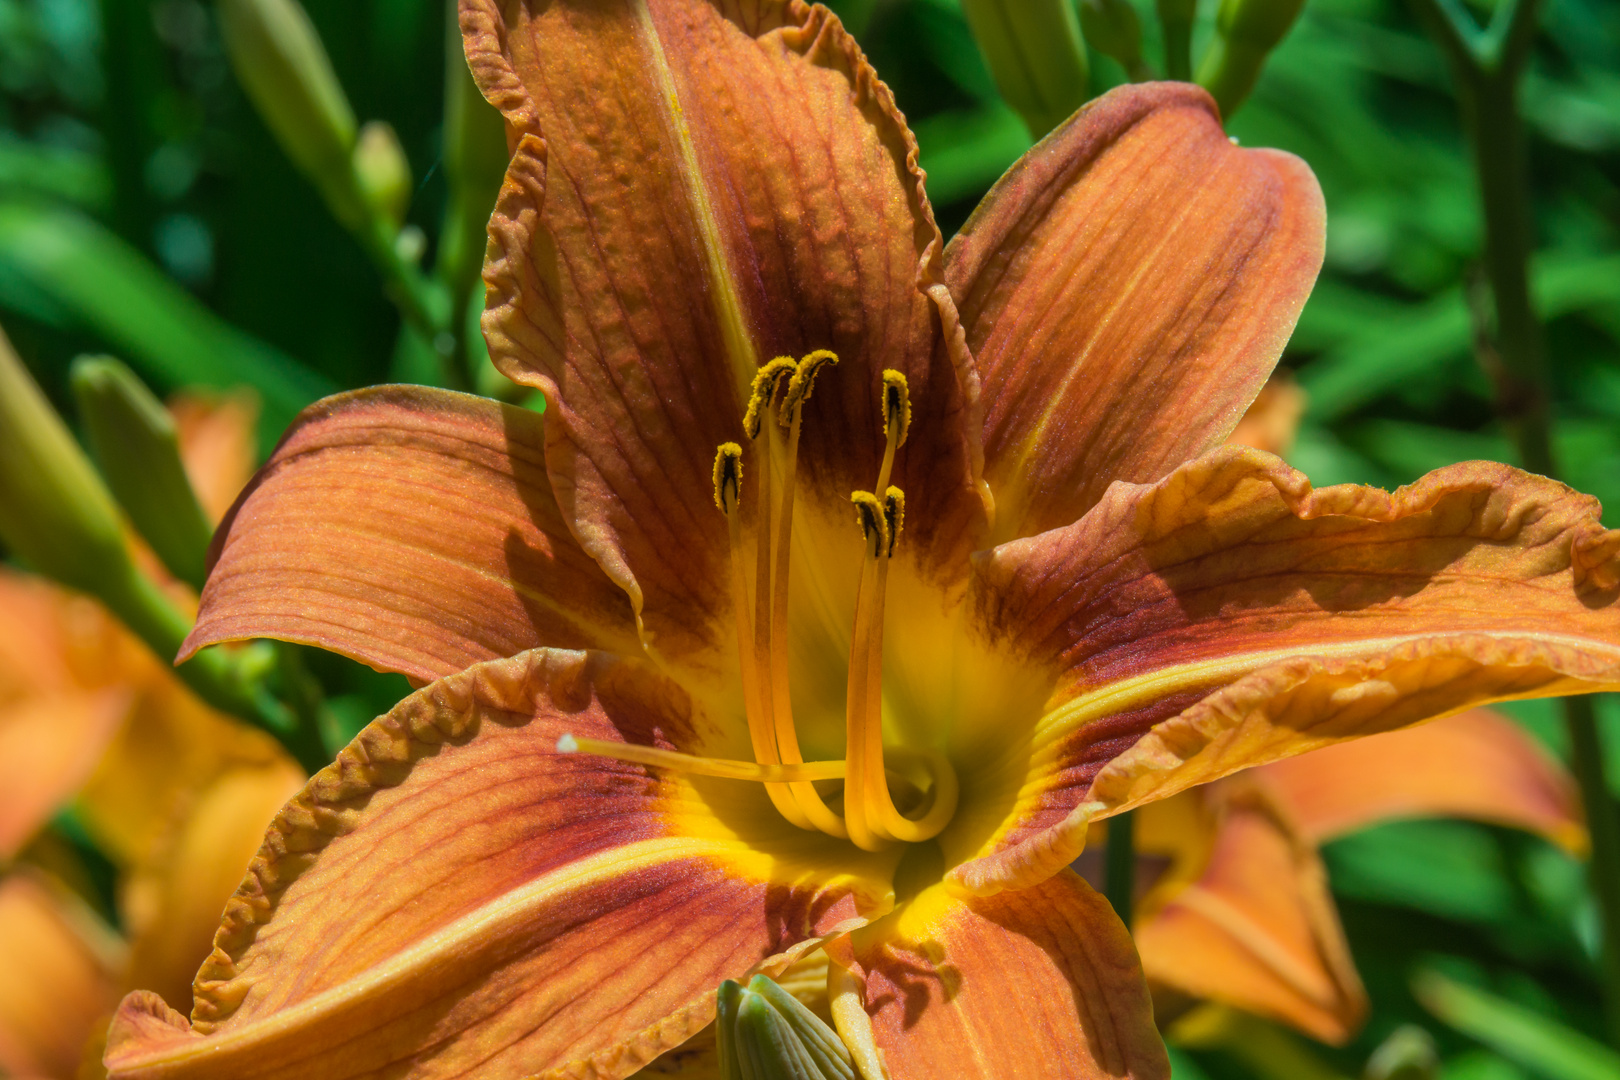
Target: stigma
<point>865,811</point>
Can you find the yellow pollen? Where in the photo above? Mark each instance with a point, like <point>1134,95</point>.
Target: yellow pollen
<point>896,407</point>
<point>727,477</point>
<point>802,383</point>
<point>894,515</point>
<point>874,523</point>
<point>766,380</point>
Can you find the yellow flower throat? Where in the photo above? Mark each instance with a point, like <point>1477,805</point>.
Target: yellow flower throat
<point>868,817</point>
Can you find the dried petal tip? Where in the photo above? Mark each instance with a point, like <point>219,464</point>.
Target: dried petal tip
<point>727,476</point>
<point>765,1033</point>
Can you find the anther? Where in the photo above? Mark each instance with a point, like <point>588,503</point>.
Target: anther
<point>766,381</point>
<point>894,515</point>
<point>803,382</point>
<point>727,476</point>
<point>896,406</point>
<point>871,515</point>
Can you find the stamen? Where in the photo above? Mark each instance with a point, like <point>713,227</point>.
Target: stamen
<point>868,805</point>
<point>756,702</point>
<point>896,401</point>
<point>724,768</point>
<point>766,380</point>
<point>791,415</point>
<point>727,477</point>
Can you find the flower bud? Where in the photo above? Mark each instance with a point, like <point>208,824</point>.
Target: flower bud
<point>1036,55</point>
<point>1113,28</point>
<point>765,1033</point>
<point>281,63</point>
<point>1245,33</point>
<point>135,439</point>
<point>54,510</point>
<point>383,173</point>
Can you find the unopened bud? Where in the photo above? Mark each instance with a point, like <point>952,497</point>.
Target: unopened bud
<point>281,63</point>
<point>1036,54</point>
<point>382,171</point>
<point>1113,28</point>
<point>135,439</point>
<point>54,510</point>
<point>1245,33</point>
<point>765,1033</point>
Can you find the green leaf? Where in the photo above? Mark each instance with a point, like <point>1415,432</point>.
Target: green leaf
<point>171,338</point>
<point>965,151</point>
<point>1546,1047</point>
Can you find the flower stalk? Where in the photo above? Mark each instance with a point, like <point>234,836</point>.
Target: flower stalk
<point>1487,66</point>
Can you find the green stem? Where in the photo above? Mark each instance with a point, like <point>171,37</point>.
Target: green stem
<point>1119,882</point>
<point>421,301</point>
<point>1487,67</point>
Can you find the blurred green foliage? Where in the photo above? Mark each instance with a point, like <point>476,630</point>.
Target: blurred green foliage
<point>146,210</point>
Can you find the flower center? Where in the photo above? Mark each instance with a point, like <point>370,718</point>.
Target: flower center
<point>868,816</point>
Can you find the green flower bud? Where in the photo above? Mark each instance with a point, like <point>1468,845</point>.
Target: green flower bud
<point>1246,32</point>
<point>55,512</point>
<point>1036,55</point>
<point>765,1033</point>
<point>1113,28</point>
<point>135,440</point>
<point>382,171</point>
<point>281,63</point>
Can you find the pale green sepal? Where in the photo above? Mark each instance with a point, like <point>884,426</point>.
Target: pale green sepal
<point>725,1028</point>
<point>134,438</point>
<point>767,1047</point>
<point>1036,54</point>
<point>832,1057</point>
<point>765,1033</point>
<point>282,64</point>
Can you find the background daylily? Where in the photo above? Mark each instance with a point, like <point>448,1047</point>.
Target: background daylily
<point>1083,607</point>
<point>176,794</point>
<point>1235,907</point>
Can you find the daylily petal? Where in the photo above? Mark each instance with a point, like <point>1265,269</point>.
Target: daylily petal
<point>172,903</point>
<point>216,446</point>
<point>1272,422</point>
<point>1478,765</point>
<point>171,747</point>
<point>412,529</point>
<point>696,188</point>
<point>55,980</point>
<point>1038,982</point>
<point>1126,289</point>
<point>1258,929</point>
<point>453,897</point>
<point>1244,618</point>
<point>49,744</point>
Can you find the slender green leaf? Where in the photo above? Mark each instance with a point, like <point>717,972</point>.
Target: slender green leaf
<point>1546,1047</point>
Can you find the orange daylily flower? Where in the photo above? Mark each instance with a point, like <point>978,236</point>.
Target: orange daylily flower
<point>1239,911</point>
<point>1051,601</point>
